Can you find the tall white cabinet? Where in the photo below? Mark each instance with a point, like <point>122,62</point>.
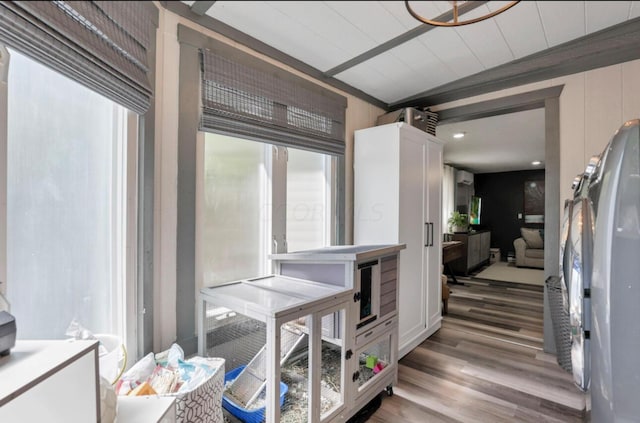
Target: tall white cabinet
<point>397,200</point>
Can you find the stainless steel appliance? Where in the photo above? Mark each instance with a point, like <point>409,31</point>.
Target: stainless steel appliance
<point>577,266</point>
<point>615,291</point>
<point>604,285</point>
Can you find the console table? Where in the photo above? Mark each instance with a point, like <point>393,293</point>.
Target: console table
<point>477,251</point>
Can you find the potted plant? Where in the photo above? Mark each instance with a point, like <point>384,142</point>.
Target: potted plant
<point>458,222</point>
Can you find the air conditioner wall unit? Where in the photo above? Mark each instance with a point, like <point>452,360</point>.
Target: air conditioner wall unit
<point>464,177</point>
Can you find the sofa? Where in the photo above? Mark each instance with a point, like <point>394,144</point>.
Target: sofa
<point>530,248</point>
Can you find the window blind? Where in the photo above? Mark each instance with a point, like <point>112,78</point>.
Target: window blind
<point>101,44</point>
<point>247,97</point>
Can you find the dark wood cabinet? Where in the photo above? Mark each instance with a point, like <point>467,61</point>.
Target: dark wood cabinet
<point>477,248</point>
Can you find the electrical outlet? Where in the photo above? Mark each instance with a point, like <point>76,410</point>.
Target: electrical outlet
<point>519,215</point>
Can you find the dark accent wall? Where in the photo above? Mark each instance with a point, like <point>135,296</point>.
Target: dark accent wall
<point>502,197</point>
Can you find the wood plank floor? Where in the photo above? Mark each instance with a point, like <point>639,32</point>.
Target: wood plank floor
<point>485,364</point>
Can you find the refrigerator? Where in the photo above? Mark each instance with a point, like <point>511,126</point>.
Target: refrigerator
<point>603,281</point>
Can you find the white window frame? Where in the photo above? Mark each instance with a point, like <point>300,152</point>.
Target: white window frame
<point>4,74</point>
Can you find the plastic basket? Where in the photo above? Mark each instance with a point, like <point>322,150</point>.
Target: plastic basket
<point>255,415</point>
<point>560,322</point>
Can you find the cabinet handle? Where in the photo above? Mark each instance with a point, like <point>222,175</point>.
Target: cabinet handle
<point>388,322</point>
<point>431,234</point>
<point>368,334</point>
<point>349,354</point>
<point>355,376</point>
<point>427,237</point>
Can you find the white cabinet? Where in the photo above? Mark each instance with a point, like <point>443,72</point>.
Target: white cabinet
<point>397,199</point>
<point>146,409</point>
<point>50,381</point>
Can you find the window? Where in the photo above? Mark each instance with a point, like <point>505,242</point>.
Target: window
<point>66,204</point>
<point>308,200</point>
<point>236,193</point>
<point>242,182</point>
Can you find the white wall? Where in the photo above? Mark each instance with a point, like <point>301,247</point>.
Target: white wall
<point>359,114</point>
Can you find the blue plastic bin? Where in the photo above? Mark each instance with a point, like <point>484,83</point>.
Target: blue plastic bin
<point>255,415</point>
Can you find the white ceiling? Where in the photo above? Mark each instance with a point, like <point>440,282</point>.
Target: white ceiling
<point>496,144</point>
<point>325,34</point>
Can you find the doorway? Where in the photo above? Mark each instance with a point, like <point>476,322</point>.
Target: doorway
<point>548,100</point>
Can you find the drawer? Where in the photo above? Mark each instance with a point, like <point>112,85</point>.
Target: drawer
<point>372,333</point>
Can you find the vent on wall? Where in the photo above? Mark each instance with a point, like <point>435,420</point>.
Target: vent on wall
<point>464,177</point>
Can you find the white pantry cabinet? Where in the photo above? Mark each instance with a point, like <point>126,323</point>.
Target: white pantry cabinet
<point>397,200</point>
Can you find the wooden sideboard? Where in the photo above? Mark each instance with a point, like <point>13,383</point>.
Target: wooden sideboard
<point>477,247</point>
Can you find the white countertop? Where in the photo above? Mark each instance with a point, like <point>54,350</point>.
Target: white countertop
<point>30,362</point>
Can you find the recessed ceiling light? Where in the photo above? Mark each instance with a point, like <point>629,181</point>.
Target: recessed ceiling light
<point>458,135</point>
<point>536,163</point>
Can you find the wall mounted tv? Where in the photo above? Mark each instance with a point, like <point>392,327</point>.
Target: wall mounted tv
<point>474,210</point>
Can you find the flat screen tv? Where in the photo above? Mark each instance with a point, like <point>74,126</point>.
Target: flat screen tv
<point>474,210</point>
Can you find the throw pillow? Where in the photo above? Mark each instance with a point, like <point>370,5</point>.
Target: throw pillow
<point>532,238</point>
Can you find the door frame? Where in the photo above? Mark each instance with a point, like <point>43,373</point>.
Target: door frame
<point>549,99</point>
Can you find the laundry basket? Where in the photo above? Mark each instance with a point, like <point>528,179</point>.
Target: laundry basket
<point>560,322</point>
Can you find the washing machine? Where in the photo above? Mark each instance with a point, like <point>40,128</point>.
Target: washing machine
<point>604,286</point>
<point>615,290</point>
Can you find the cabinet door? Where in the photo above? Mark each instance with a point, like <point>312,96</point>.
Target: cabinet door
<point>485,245</point>
<point>412,309</point>
<point>433,213</point>
<point>474,251</point>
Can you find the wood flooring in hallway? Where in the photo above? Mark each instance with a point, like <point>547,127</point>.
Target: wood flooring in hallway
<point>485,364</point>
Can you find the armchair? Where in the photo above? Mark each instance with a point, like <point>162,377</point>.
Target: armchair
<point>529,248</point>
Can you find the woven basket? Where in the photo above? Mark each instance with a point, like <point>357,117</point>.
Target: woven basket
<point>560,321</point>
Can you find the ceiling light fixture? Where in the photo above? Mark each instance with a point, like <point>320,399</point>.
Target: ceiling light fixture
<point>458,135</point>
<point>536,163</point>
<point>455,10</point>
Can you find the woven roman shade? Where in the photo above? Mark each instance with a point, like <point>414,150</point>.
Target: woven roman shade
<point>247,97</point>
<point>100,44</point>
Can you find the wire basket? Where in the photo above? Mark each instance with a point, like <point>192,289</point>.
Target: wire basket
<point>560,321</point>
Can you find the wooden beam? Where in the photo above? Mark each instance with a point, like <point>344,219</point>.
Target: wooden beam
<point>400,39</point>
<point>200,7</point>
